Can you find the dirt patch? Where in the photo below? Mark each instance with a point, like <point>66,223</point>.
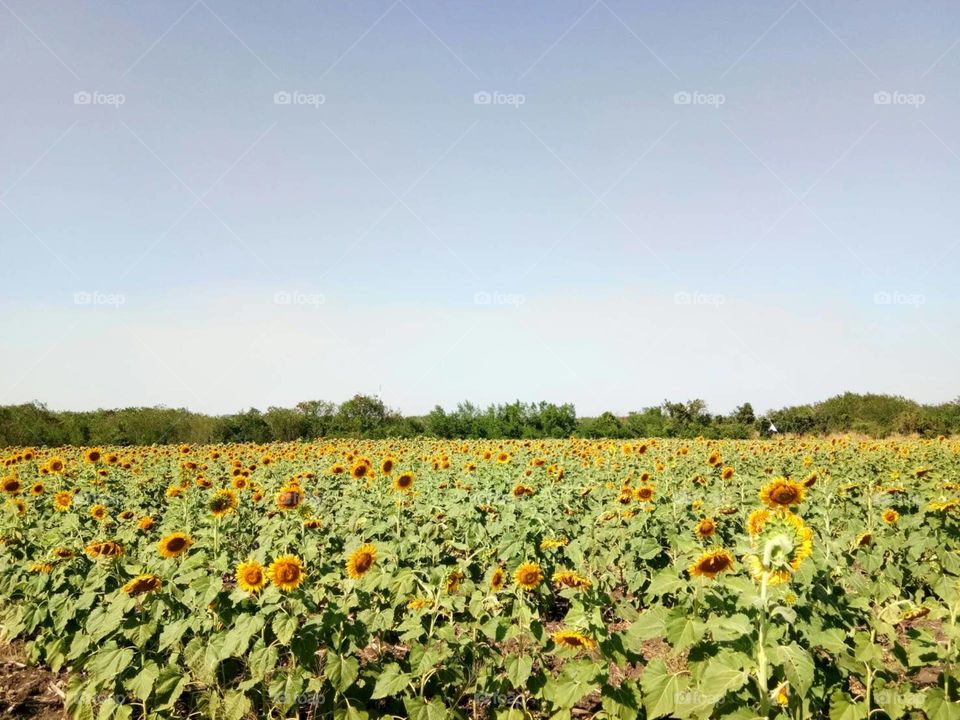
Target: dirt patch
<point>28,692</point>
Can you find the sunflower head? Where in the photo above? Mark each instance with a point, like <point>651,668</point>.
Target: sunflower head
<point>174,544</point>
<point>361,560</point>
<point>706,527</point>
<point>711,564</point>
<point>645,493</point>
<point>222,502</point>
<point>251,576</point>
<point>98,512</point>
<point>286,572</point>
<point>782,493</point>
<point>528,575</point>
<point>142,584</point>
<point>498,579</point>
<point>520,490</point>
<point>572,580</point>
<point>890,516</point>
<point>572,640</point>
<point>781,542</point>
<point>403,482</point>
<point>11,485</point>
<point>289,497</point>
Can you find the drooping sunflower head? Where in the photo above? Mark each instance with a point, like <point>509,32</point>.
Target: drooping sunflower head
<point>782,493</point>
<point>313,523</point>
<point>174,544</point>
<point>251,576</point>
<point>41,567</point>
<point>62,553</point>
<point>453,581</point>
<point>361,560</point>
<point>142,584</point>
<point>520,490</point>
<point>570,579</point>
<point>403,482</point>
<point>106,549</point>
<point>572,640</point>
<point>222,502</point>
<point>528,575</point>
<point>711,564</point>
<point>706,527</point>
<point>498,579</point>
<point>286,572</point>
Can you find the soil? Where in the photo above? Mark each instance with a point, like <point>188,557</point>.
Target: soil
<point>29,692</point>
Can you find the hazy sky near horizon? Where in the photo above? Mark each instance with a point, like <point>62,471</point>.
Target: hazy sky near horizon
<point>219,204</point>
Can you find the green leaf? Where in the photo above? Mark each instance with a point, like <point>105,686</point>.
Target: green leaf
<point>518,669</point>
<point>238,637</point>
<point>235,705</point>
<point>341,671</point>
<point>283,627</point>
<point>109,662</point>
<point>142,684</point>
<point>684,630</point>
<point>842,708</point>
<point>730,628</point>
<point>661,689</point>
<point>390,682</point>
<point>650,624</point>
<point>419,709</point>
<point>720,677</point>
<point>937,707</point>
<point>797,666</point>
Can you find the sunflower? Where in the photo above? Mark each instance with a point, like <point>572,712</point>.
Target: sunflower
<point>528,575</point>
<point>41,567</point>
<point>403,482</point>
<point>727,473</point>
<point>453,581</point>
<point>286,572</point>
<point>360,470</point>
<point>93,455</point>
<point>145,523</point>
<point>62,553</point>
<point>810,480</point>
<point>419,603</point>
<point>388,464</point>
<point>11,485</point>
<point>520,490</point>
<point>56,465</point>
<point>361,560</point>
<point>551,543</point>
<point>864,539</point>
<point>107,549</point>
<point>37,488</point>
<point>714,459</point>
<point>711,564</point>
<point>142,584</point>
<point>569,579</point>
<point>890,516</point>
<point>644,492</point>
<point>498,579</point>
<point>289,497</point>
<point>222,502</point>
<point>781,542</point>
<point>98,512</point>
<point>250,576</point>
<point>313,523</point>
<point>706,527</point>
<point>174,544</point>
<point>18,505</point>
<point>572,640</point>
<point>782,492</point>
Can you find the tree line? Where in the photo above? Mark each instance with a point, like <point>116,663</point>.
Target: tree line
<point>367,416</point>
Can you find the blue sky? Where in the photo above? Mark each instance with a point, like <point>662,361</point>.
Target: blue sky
<point>221,204</point>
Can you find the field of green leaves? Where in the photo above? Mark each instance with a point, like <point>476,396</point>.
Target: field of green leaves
<point>489,579</point>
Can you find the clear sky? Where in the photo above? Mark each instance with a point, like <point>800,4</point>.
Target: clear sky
<point>219,204</point>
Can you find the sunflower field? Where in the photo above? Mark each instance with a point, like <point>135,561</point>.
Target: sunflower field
<point>489,579</point>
